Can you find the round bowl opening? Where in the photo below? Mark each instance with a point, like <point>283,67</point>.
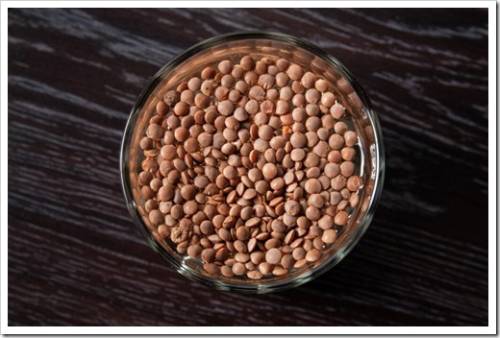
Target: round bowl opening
<point>233,46</point>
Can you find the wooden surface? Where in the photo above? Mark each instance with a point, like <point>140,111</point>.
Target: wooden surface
<point>75,258</point>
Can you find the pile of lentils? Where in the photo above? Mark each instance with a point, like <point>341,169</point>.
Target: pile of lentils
<point>249,168</point>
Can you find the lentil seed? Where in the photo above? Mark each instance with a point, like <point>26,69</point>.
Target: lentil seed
<point>273,256</point>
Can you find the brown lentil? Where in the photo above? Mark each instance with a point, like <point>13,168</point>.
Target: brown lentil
<point>273,256</point>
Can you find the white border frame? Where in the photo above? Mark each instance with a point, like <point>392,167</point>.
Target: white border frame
<point>299,330</point>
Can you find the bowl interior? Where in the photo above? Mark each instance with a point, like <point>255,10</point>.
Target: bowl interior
<point>274,46</point>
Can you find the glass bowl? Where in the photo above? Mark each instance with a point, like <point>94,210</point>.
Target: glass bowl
<point>365,123</point>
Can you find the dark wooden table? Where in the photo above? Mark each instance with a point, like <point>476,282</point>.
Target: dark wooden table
<point>75,258</point>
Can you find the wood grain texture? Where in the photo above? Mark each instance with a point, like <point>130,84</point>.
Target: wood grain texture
<point>75,258</point>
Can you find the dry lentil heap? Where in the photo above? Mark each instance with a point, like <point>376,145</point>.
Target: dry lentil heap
<point>250,168</point>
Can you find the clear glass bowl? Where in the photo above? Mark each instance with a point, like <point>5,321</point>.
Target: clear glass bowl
<point>211,51</point>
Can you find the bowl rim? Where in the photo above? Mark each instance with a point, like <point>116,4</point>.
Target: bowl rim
<point>280,284</point>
